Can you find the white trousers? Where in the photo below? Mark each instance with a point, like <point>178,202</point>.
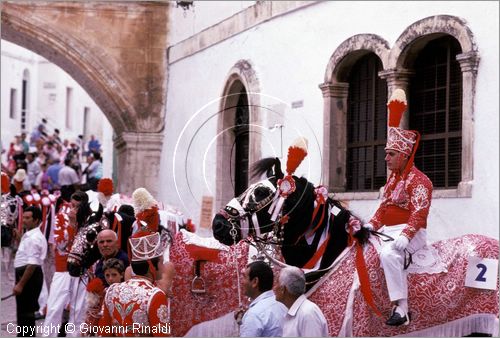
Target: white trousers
<point>392,260</point>
<point>65,290</point>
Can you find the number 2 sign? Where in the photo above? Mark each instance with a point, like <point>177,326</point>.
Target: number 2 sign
<point>482,273</point>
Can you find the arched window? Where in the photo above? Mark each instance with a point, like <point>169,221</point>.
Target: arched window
<point>25,100</point>
<point>240,149</point>
<point>436,111</point>
<point>366,126</point>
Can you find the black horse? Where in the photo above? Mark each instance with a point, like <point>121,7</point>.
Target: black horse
<point>302,207</point>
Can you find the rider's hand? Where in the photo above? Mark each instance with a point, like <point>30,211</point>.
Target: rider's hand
<point>368,226</point>
<point>401,243</point>
<point>354,224</point>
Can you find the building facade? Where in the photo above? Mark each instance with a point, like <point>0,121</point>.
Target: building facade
<point>244,85</point>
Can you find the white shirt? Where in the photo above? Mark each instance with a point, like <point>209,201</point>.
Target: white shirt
<point>32,249</point>
<point>264,317</point>
<point>67,176</point>
<point>305,319</point>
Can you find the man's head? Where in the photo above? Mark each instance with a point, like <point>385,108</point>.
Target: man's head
<point>401,143</point>
<point>291,285</point>
<point>396,161</point>
<point>77,198</point>
<point>107,242</point>
<point>257,278</point>
<point>30,157</point>
<point>32,216</point>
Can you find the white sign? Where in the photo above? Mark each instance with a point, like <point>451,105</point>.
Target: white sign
<point>482,273</point>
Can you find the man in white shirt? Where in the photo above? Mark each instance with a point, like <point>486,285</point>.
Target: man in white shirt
<point>68,180</point>
<point>28,264</point>
<point>304,318</point>
<point>264,317</point>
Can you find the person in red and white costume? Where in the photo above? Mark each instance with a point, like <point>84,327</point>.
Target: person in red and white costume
<point>403,212</point>
<point>64,288</point>
<point>137,307</point>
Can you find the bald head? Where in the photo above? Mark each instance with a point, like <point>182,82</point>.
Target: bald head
<point>107,242</point>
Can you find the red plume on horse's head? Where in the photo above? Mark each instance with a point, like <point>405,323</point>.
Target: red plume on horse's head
<point>296,153</point>
<point>105,186</point>
<point>397,106</point>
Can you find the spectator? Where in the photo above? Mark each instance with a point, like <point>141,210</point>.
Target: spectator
<point>93,170</point>
<point>38,134</point>
<point>21,181</point>
<point>53,172</point>
<point>109,247</point>
<point>304,318</point>
<point>55,137</point>
<point>43,180</point>
<point>26,145</point>
<point>33,168</point>
<point>68,180</point>
<point>50,151</point>
<point>94,146</point>
<point>28,264</point>
<point>264,317</point>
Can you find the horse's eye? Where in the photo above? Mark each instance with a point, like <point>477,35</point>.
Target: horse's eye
<point>231,211</point>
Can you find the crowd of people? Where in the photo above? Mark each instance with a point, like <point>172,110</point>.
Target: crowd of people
<point>49,162</point>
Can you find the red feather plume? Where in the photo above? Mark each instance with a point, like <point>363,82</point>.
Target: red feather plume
<point>105,186</point>
<point>95,285</point>
<point>396,106</point>
<point>296,154</point>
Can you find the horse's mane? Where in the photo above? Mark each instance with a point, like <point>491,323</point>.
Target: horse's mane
<point>266,165</point>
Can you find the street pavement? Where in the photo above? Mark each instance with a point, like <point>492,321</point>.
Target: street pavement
<point>8,307</point>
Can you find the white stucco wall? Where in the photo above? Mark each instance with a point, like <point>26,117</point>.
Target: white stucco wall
<point>289,55</point>
<point>15,61</point>
<point>47,99</point>
<point>199,16</point>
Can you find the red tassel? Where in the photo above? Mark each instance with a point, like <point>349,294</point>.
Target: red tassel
<point>295,157</point>
<point>364,280</point>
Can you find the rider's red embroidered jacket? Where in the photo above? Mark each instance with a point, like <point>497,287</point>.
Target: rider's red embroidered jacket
<point>135,308</point>
<point>405,201</point>
<point>64,234</point>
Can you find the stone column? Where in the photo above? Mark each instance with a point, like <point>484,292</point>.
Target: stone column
<point>469,63</point>
<point>138,156</point>
<point>334,135</point>
<point>398,78</point>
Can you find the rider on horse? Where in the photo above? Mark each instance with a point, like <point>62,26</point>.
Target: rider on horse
<point>403,211</point>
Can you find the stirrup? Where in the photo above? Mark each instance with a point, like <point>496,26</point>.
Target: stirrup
<point>198,285</point>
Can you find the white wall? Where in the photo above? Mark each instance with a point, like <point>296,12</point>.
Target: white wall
<point>203,14</point>
<point>48,100</point>
<point>290,55</point>
<point>14,61</point>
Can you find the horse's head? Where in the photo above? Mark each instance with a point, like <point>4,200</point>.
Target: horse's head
<point>84,250</point>
<point>260,210</point>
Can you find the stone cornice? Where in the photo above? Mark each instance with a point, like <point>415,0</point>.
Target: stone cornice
<point>236,24</point>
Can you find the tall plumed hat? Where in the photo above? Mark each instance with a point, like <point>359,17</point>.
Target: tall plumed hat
<point>145,209</point>
<point>5,183</point>
<point>399,139</point>
<point>145,245</point>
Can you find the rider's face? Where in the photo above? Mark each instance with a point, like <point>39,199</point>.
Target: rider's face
<point>73,209</point>
<point>395,160</point>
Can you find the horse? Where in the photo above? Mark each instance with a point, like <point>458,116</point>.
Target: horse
<point>440,302</point>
